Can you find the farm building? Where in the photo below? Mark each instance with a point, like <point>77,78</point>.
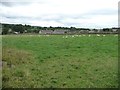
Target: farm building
<point>73,32</point>
<point>60,31</point>
<point>91,31</point>
<point>114,29</point>
<point>53,31</point>
<point>45,31</point>
<point>84,31</point>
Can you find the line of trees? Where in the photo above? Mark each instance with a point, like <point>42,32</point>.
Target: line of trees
<point>10,28</point>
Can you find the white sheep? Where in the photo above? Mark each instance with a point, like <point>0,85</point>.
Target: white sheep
<point>98,35</point>
<point>116,35</point>
<point>73,36</point>
<point>47,35</point>
<point>66,37</point>
<point>89,35</point>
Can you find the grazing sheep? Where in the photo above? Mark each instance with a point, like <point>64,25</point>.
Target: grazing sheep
<point>66,37</point>
<point>116,35</point>
<point>39,35</point>
<point>47,35</point>
<point>76,35</point>
<point>98,35</point>
<point>89,35</point>
<point>73,36</point>
<point>104,35</point>
<point>16,32</point>
<point>31,35</point>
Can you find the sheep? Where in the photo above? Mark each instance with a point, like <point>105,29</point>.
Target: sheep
<point>16,32</point>
<point>31,35</point>
<point>73,36</point>
<point>89,35</point>
<point>76,35</point>
<point>116,35</point>
<point>47,35</point>
<point>98,35</point>
<point>104,35</point>
<point>66,37</point>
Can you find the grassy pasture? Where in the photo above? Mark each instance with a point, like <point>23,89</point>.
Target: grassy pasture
<point>62,61</point>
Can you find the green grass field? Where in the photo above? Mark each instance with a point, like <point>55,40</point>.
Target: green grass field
<point>58,61</point>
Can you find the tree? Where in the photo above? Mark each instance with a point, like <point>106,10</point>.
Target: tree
<point>106,29</point>
<point>4,30</point>
<point>36,31</point>
<point>18,28</point>
<point>72,28</point>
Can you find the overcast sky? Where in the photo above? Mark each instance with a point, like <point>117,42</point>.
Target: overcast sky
<point>75,13</point>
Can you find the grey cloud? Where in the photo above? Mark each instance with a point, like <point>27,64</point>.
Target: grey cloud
<point>13,4</point>
<point>103,12</point>
<point>6,4</point>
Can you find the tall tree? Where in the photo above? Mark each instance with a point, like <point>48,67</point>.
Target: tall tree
<point>18,28</point>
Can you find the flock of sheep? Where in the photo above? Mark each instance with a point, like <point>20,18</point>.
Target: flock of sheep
<point>66,36</point>
<point>83,35</point>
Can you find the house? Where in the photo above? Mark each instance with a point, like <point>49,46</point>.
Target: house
<point>73,31</point>
<point>45,31</point>
<point>40,32</point>
<point>84,31</point>
<point>59,31</point>
<point>114,29</point>
<point>9,30</point>
<point>99,30</point>
<point>91,31</point>
<point>25,31</point>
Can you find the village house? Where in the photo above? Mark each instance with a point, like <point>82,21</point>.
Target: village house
<point>45,31</point>
<point>10,30</point>
<point>91,31</point>
<point>53,31</point>
<point>25,31</point>
<point>60,31</point>
<point>84,31</point>
<point>73,31</point>
<point>114,29</point>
